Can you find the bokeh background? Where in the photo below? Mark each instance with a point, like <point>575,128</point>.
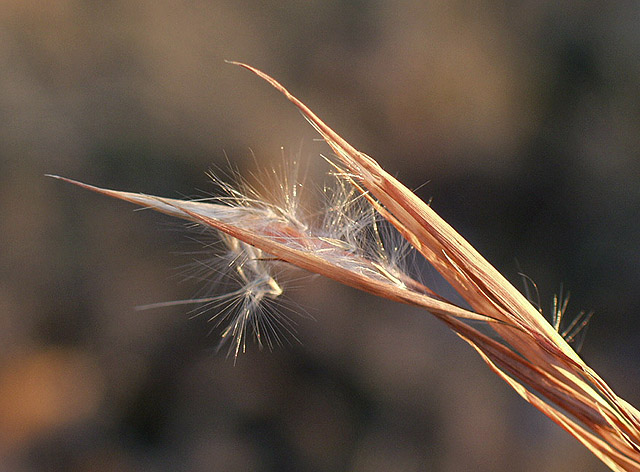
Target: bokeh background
<point>522,118</point>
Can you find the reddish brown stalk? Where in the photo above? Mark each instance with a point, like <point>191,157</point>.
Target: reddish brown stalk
<point>574,386</point>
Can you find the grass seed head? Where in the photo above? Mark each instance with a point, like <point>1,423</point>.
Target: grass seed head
<point>350,245</point>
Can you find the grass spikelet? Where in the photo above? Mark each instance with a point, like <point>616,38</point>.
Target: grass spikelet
<point>349,244</point>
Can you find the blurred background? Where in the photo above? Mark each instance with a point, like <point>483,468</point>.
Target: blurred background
<point>521,120</point>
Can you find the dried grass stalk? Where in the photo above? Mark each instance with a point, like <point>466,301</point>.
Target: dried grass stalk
<point>530,355</point>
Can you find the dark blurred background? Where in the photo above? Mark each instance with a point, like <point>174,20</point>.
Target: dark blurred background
<point>522,118</point>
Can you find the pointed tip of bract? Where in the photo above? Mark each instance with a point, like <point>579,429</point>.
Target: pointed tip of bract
<point>242,64</point>
<point>65,179</point>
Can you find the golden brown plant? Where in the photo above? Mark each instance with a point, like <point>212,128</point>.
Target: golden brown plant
<point>530,354</point>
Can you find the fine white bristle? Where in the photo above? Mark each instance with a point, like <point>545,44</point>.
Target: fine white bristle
<point>348,232</point>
